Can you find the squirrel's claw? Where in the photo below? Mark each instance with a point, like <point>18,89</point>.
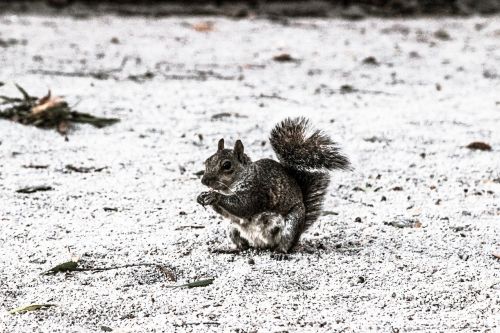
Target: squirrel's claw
<point>207,198</point>
<point>200,200</point>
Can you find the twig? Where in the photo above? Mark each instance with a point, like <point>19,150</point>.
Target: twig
<point>190,226</point>
<point>71,167</point>
<point>100,75</point>
<point>102,269</point>
<point>35,166</point>
<point>204,323</point>
<point>275,96</point>
<point>494,284</point>
<point>225,251</point>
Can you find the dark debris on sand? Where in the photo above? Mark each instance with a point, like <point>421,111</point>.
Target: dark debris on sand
<point>47,112</point>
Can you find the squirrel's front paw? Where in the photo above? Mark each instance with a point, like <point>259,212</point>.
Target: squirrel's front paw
<point>208,198</point>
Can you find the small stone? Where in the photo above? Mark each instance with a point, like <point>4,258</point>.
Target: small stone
<point>346,89</point>
<point>251,261</point>
<point>371,60</point>
<point>442,35</point>
<point>414,55</point>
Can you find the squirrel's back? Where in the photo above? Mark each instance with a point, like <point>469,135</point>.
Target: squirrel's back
<point>308,155</point>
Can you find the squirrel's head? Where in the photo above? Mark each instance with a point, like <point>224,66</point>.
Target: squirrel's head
<point>224,167</point>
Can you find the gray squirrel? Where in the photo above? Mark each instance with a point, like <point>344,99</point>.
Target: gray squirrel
<point>270,204</point>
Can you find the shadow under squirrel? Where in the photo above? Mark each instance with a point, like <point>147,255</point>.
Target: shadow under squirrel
<point>270,204</point>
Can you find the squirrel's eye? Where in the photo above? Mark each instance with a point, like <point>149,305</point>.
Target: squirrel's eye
<point>226,165</point>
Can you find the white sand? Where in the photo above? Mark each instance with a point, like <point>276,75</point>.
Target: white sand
<point>439,277</point>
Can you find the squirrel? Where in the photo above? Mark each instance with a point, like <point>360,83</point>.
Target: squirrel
<point>270,204</point>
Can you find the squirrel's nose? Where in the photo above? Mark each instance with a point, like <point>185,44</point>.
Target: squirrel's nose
<point>205,180</point>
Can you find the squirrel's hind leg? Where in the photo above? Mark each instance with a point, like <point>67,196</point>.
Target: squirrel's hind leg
<point>235,236</point>
<point>292,228</point>
<point>238,242</point>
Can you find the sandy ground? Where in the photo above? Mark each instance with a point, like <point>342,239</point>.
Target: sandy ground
<point>404,120</point>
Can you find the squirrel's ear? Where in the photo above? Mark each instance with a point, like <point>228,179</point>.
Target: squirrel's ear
<point>220,145</point>
<point>238,150</point>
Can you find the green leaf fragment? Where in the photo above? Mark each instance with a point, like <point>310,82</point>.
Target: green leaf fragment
<point>194,284</point>
<point>33,189</point>
<point>98,122</point>
<point>69,266</point>
<point>31,307</point>
<point>7,99</point>
<point>26,96</point>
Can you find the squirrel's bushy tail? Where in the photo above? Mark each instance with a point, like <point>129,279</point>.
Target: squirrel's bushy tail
<point>309,155</point>
<point>301,148</point>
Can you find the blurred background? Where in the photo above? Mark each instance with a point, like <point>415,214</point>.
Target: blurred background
<point>241,8</point>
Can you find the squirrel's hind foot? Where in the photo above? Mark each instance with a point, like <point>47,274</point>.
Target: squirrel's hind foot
<point>240,242</point>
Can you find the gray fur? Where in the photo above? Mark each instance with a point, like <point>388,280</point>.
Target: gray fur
<point>308,158</point>
<point>269,203</point>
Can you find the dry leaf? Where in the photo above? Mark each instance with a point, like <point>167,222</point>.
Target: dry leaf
<point>45,98</point>
<point>203,26</point>
<point>284,57</point>
<point>46,103</point>
<point>478,145</point>
<point>68,266</point>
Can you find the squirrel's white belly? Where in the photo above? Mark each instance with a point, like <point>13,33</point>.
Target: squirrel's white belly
<point>262,230</point>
